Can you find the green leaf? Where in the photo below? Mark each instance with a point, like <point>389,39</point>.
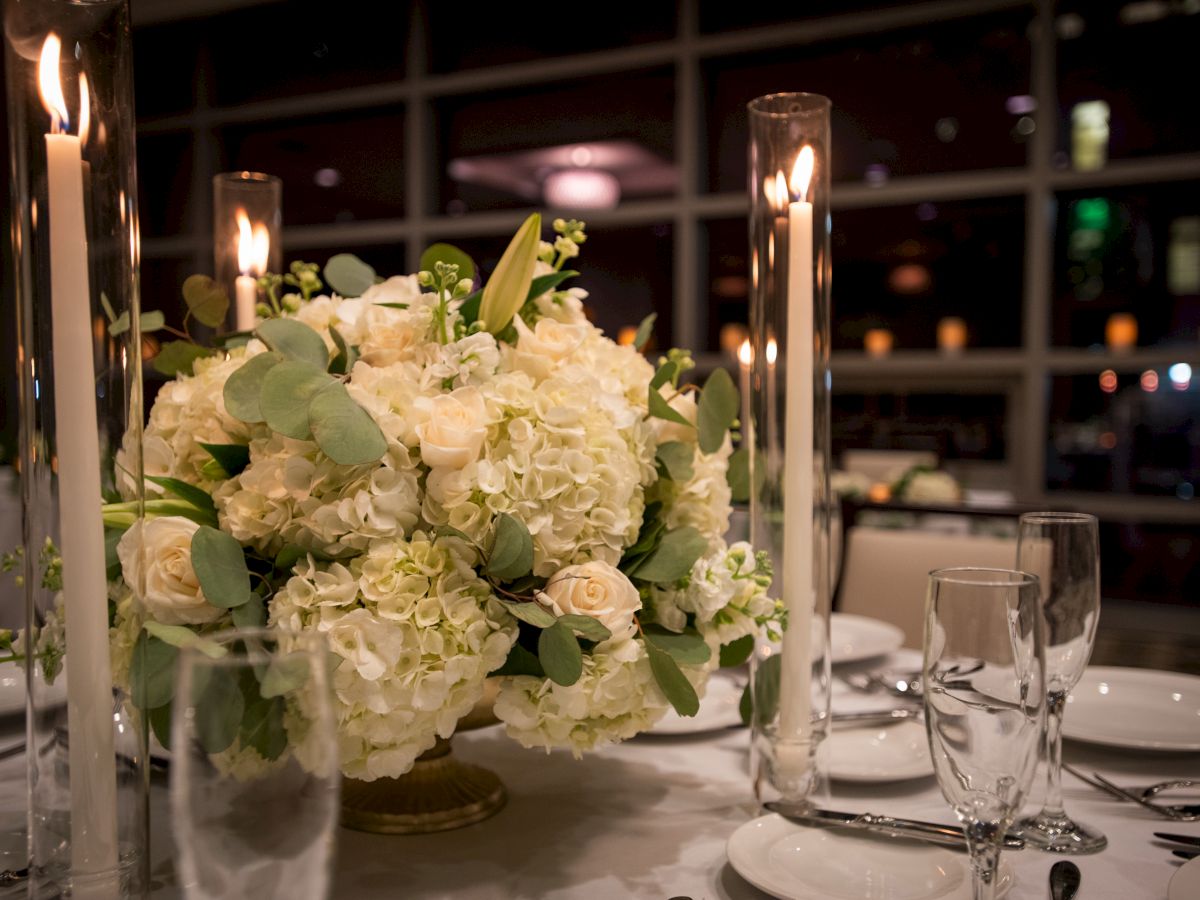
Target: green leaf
<point>548,282</point>
<point>287,557</point>
<point>674,684</point>
<point>765,689</point>
<point>644,331</point>
<point>150,321</point>
<point>718,408</point>
<point>667,372</point>
<point>295,340</point>
<point>738,475</point>
<point>530,611</point>
<point>160,724</point>
<point>559,654</point>
<point>661,409</point>
<point>343,430</point>
<point>521,662</point>
<point>675,458</point>
<point>512,549</point>
<point>251,614</point>
<point>202,500</point>
<point>447,253</point>
<point>586,627</point>
<point>112,562</point>
<point>178,357</point>
<point>285,674</point>
<point>243,389</point>
<point>450,531</point>
<point>220,565</point>
<point>232,458</point>
<point>346,357</point>
<point>687,649</point>
<point>348,275</point>
<point>506,290</point>
<point>262,727</point>
<point>674,557</point>
<point>152,672</point>
<point>217,708</point>
<point>108,310</point>
<point>287,390</point>
<point>182,636</point>
<point>469,308</point>
<point>207,300</point>
<point>737,652</point>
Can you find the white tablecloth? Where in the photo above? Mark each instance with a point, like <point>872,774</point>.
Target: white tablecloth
<point>650,818</point>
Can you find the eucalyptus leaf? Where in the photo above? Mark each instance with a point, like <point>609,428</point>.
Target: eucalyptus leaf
<point>506,290</point>
<point>738,475</point>
<point>548,282</point>
<point>716,411</point>
<point>675,458</point>
<point>530,611</point>
<point>559,654</point>
<point>232,458</point>
<point>150,321</point>
<point>687,648</point>
<point>207,300</point>
<point>243,389</point>
<point>285,674</point>
<point>451,531</point>
<point>348,275</point>
<point>661,409</point>
<point>178,357</point>
<point>112,562</point>
<point>469,308</point>
<point>295,340</point>
<point>220,565</point>
<point>262,727</point>
<point>288,556</point>
<point>152,672</point>
<point>217,708</point>
<point>586,627</point>
<point>251,614</point>
<point>644,331</point>
<point>674,684</point>
<point>520,662</point>
<point>512,549</point>
<point>667,372</point>
<point>346,357</point>
<point>181,636</point>
<point>198,498</point>
<point>765,689</point>
<point>447,253</point>
<point>108,309</point>
<point>674,557</point>
<point>343,430</point>
<point>287,390</point>
<point>737,652</point>
<point>160,724</point>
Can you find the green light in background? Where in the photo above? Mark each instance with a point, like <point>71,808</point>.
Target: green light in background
<point>1093,214</point>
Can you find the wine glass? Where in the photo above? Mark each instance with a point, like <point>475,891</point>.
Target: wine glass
<point>254,766</point>
<point>985,701</point>
<point>1062,550</point>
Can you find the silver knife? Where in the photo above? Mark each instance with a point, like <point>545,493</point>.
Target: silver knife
<point>875,717</point>
<point>934,832</point>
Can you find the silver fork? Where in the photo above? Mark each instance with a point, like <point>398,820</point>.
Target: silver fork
<point>1181,813</point>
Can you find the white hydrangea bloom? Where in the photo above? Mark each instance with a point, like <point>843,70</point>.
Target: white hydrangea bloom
<point>704,501</point>
<point>417,632</point>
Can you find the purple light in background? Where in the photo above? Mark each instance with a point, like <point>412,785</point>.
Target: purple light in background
<point>1020,105</point>
<point>582,189</point>
<point>327,178</point>
<point>926,212</point>
<point>876,175</point>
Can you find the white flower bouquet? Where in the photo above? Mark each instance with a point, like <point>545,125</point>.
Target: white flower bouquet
<point>451,484</point>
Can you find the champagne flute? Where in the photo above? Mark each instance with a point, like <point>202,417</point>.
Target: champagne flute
<point>254,767</point>
<point>985,702</point>
<point>1062,550</point>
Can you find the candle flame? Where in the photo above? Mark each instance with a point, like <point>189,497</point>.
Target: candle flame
<point>745,354</point>
<point>802,172</point>
<point>254,245</point>
<point>50,86</point>
<point>85,109</point>
<point>772,351</point>
<point>779,196</point>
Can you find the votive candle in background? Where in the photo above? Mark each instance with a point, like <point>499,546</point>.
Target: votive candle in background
<point>951,335</point>
<point>877,342</point>
<point>253,251</point>
<point>1121,332</point>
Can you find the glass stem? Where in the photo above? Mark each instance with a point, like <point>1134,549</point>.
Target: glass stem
<point>984,859</point>
<point>1053,807</point>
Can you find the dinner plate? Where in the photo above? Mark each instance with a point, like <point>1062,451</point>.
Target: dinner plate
<point>793,862</point>
<point>12,690</point>
<point>718,709</point>
<point>895,752</point>
<point>1138,709</point>
<point>854,638</point>
<point>1185,883</point>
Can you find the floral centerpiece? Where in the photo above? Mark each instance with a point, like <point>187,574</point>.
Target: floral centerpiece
<point>451,484</point>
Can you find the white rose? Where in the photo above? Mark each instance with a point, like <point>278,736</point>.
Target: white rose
<point>397,289</point>
<point>597,590</point>
<point>163,548</point>
<point>454,433</point>
<point>683,404</point>
<point>547,343</point>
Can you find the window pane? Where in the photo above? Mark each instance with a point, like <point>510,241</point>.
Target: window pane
<point>386,259</point>
<point>955,426</point>
<point>164,65</point>
<point>1126,433</point>
<point>1149,561</point>
<point>335,168</point>
<point>498,149</point>
<point>166,201</point>
<point>934,99</point>
<point>1139,60</point>
<point>720,15</point>
<point>1128,255</point>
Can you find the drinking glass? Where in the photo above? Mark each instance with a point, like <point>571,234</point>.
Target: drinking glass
<point>254,770</point>
<point>985,701</point>
<point>1062,550</point>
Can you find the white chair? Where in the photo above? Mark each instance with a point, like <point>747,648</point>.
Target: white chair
<point>887,571</point>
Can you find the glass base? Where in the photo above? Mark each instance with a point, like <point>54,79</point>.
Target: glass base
<point>1059,834</point>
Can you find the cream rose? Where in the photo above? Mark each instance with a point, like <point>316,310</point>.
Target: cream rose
<point>683,404</point>
<point>453,435</point>
<point>547,343</point>
<point>597,590</point>
<point>160,550</point>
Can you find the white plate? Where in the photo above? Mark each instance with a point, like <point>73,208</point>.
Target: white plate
<point>1139,709</point>
<point>793,862</point>
<point>12,689</point>
<point>886,753</point>
<point>1185,883</point>
<point>853,638</point>
<point>718,709</point>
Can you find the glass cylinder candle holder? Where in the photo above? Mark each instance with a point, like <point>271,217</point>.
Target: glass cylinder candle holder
<point>247,220</point>
<point>789,385</point>
<point>74,228</point>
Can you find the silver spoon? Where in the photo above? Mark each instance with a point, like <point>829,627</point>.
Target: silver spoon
<point>1064,880</point>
